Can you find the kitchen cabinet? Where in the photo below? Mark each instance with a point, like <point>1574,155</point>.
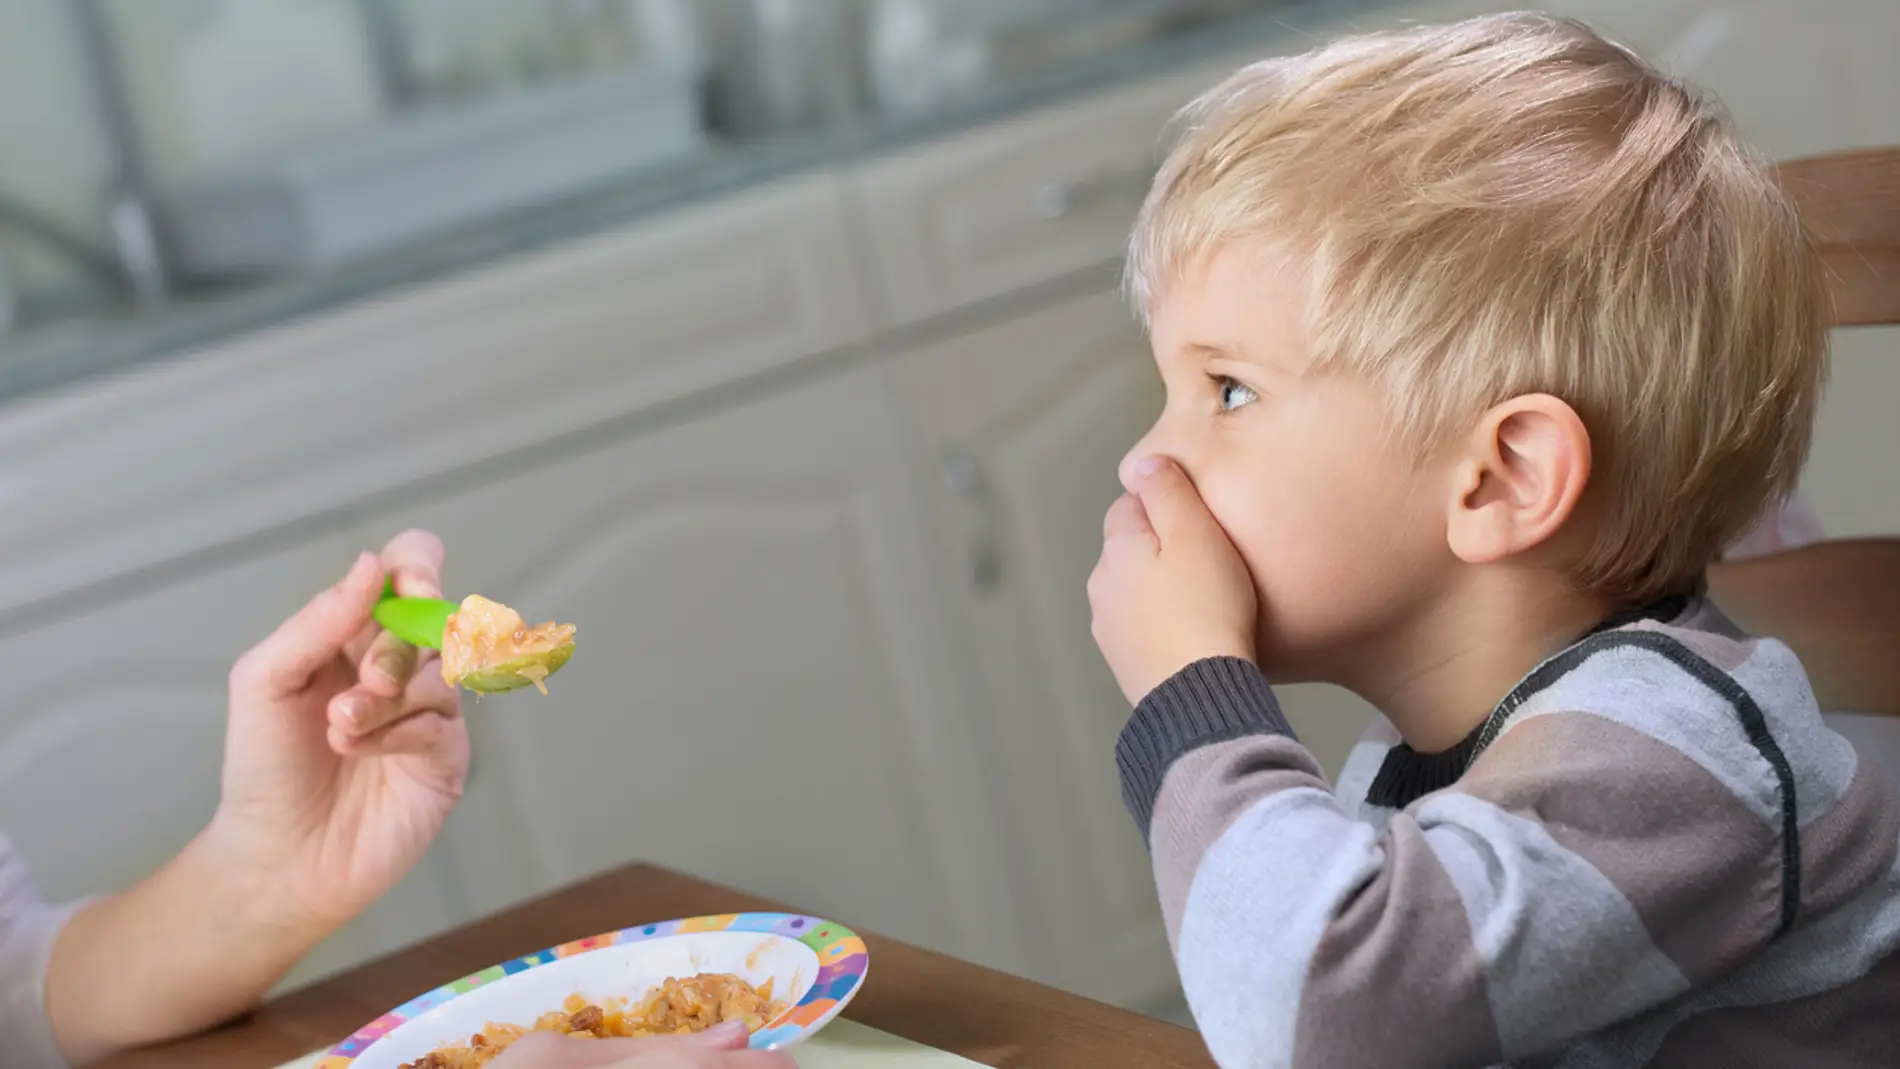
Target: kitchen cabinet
<point>133,473</point>
<point>760,692</point>
<point>1019,204</point>
<point>1025,421</point>
<point>130,698</point>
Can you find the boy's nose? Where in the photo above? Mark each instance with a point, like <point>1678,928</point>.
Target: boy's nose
<point>1147,447</point>
<point>1171,436</point>
<point>1125,471</point>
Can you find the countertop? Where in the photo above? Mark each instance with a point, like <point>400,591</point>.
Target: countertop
<point>61,353</point>
<point>989,1017</point>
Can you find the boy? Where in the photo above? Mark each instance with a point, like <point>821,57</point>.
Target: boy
<point>1480,341</point>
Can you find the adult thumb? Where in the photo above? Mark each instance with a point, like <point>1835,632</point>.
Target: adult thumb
<point>284,662</point>
<point>544,1050</point>
<point>1174,506</point>
<point>731,1035</point>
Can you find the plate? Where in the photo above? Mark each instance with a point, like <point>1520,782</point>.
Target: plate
<point>818,965</point>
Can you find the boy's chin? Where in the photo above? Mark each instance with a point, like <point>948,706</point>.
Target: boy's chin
<point>1281,665</point>
<point>1286,662</point>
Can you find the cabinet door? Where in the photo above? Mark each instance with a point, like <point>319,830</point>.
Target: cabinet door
<point>319,413</point>
<point>112,737</point>
<point>1027,419</point>
<point>759,693</point>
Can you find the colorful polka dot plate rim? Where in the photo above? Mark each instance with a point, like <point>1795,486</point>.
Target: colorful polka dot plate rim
<point>818,965</point>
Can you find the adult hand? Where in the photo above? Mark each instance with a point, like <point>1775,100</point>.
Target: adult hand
<point>1170,589</point>
<point>345,750</point>
<point>718,1048</point>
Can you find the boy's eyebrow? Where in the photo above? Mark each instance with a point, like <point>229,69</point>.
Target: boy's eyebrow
<point>1234,353</point>
<point>1208,351</point>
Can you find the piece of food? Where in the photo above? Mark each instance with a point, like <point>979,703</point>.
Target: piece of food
<point>487,648</point>
<point>674,1008</point>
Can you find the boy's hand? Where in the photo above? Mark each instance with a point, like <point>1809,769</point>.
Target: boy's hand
<point>1170,588</point>
<point>345,750</point>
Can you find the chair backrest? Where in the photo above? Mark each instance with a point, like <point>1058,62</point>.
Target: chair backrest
<point>1850,202</point>
<point>1837,604</point>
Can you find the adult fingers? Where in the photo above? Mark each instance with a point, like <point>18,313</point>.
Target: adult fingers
<point>285,661</point>
<point>362,711</point>
<point>413,562</point>
<point>542,1050</point>
<point>386,665</point>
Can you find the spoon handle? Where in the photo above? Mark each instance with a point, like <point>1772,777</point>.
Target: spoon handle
<point>417,621</point>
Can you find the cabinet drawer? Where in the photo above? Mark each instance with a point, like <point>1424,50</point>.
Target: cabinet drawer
<point>127,472</point>
<point>1033,199</point>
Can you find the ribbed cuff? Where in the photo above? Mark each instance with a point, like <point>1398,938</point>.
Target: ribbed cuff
<point>28,929</point>
<point>1207,702</point>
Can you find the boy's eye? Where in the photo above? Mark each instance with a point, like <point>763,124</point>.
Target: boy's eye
<point>1233,393</point>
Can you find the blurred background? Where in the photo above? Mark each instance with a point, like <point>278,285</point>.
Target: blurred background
<point>775,343</point>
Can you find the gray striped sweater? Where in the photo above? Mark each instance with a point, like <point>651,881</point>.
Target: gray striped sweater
<point>1654,853</point>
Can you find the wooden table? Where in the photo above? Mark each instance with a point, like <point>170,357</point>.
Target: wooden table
<point>983,1015</point>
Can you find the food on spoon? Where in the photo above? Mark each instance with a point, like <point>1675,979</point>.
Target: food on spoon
<point>676,1007</point>
<point>488,649</point>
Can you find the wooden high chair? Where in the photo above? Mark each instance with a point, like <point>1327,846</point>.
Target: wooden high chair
<point>1837,603</point>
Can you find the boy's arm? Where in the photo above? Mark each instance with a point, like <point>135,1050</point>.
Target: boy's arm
<point>1364,760</point>
<point>1581,872</point>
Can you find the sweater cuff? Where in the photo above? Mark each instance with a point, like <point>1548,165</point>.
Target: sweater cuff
<point>1208,702</point>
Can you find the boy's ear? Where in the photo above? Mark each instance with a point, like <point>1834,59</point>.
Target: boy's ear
<point>1518,478</point>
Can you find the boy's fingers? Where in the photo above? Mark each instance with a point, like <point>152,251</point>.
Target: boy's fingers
<point>284,662</point>
<point>1126,517</point>
<point>1173,505</point>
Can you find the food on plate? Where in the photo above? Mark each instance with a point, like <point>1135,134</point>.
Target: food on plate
<point>488,649</point>
<point>675,1007</point>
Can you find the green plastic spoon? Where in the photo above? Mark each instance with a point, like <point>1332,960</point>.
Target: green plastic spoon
<point>417,621</point>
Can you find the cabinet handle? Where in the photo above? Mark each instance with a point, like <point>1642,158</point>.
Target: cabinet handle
<point>1059,200</point>
<point>963,477</point>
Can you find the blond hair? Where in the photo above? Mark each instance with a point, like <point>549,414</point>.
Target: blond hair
<point>1512,205</point>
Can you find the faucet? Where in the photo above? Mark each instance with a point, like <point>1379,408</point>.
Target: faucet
<point>49,234</point>
<point>131,211</point>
